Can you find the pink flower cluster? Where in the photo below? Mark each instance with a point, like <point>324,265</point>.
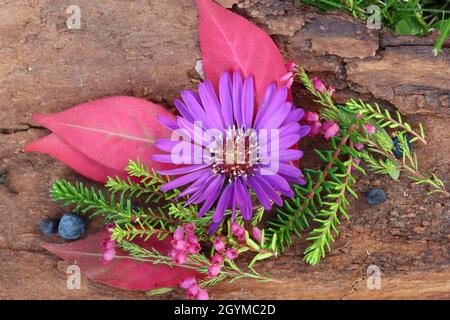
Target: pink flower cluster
<point>109,246</point>
<point>193,290</point>
<point>328,129</point>
<point>184,242</point>
<point>320,86</point>
<point>292,69</point>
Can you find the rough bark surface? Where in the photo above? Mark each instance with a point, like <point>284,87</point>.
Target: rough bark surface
<point>148,49</point>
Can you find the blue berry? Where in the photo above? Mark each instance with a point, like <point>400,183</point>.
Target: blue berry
<point>376,196</point>
<point>133,206</point>
<point>71,226</point>
<point>398,150</point>
<point>49,226</point>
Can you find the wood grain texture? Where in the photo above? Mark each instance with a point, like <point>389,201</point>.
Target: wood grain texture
<point>148,49</point>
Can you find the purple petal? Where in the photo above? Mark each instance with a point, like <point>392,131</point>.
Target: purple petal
<point>280,184</point>
<point>304,131</point>
<point>237,92</point>
<point>172,125</point>
<point>243,200</point>
<point>268,94</point>
<point>193,131</point>
<point>290,155</point>
<point>259,191</point>
<point>288,141</point>
<point>211,104</point>
<point>225,87</point>
<point>183,170</point>
<point>216,184</point>
<point>289,171</point>
<point>213,227</point>
<point>165,144</point>
<point>199,184</point>
<point>212,197</point>
<point>248,102</point>
<point>295,115</point>
<point>277,100</point>
<point>181,181</point>
<point>222,205</point>
<point>274,119</point>
<point>183,109</point>
<point>191,100</point>
<point>268,190</point>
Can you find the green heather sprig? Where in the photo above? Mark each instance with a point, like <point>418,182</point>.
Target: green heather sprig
<point>199,262</point>
<point>323,200</point>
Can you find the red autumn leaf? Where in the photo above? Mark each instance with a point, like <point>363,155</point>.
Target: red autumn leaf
<point>123,271</point>
<point>57,148</point>
<point>112,130</point>
<point>229,42</point>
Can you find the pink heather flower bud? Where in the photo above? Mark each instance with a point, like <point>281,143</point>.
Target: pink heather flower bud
<point>194,248</point>
<point>231,253</point>
<point>214,270</point>
<point>311,116</point>
<point>217,258</point>
<point>180,257</point>
<point>188,282</point>
<point>316,127</point>
<point>356,162</point>
<point>331,90</point>
<point>237,229</point>
<point>202,295</point>
<point>192,291</point>
<point>287,76</point>
<point>370,128</point>
<point>173,253</point>
<point>359,116</point>
<point>108,255</point>
<point>256,234</point>
<point>178,234</point>
<point>189,227</point>
<point>110,226</point>
<point>359,146</point>
<point>192,238</point>
<point>181,245</point>
<point>290,82</point>
<point>291,66</point>
<point>108,244</point>
<point>318,85</point>
<point>219,245</point>
<point>330,129</point>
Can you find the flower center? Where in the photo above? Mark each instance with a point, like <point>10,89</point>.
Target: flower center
<point>235,153</point>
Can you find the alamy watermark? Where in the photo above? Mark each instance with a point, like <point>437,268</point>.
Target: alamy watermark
<point>374,20</point>
<point>73,277</point>
<point>373,277</point>
<point>73,22</point>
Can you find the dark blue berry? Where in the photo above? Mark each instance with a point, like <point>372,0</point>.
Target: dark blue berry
<point>71,226</point>
<point>398,150</point>
<point>376,196</point>
<point>49,226</point>
<point>133,207</point>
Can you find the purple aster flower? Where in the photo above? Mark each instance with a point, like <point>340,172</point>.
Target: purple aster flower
<point>229,149</point>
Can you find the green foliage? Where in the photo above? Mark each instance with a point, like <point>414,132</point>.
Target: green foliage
<point>413,17</point>
<point>334,204</point>
<point>312,199</point>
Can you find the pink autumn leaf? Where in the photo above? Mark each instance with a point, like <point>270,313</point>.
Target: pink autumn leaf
<point>122,272</point>
<point>57,148</point>
<point>229,42</point>
<point>112,130</point>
